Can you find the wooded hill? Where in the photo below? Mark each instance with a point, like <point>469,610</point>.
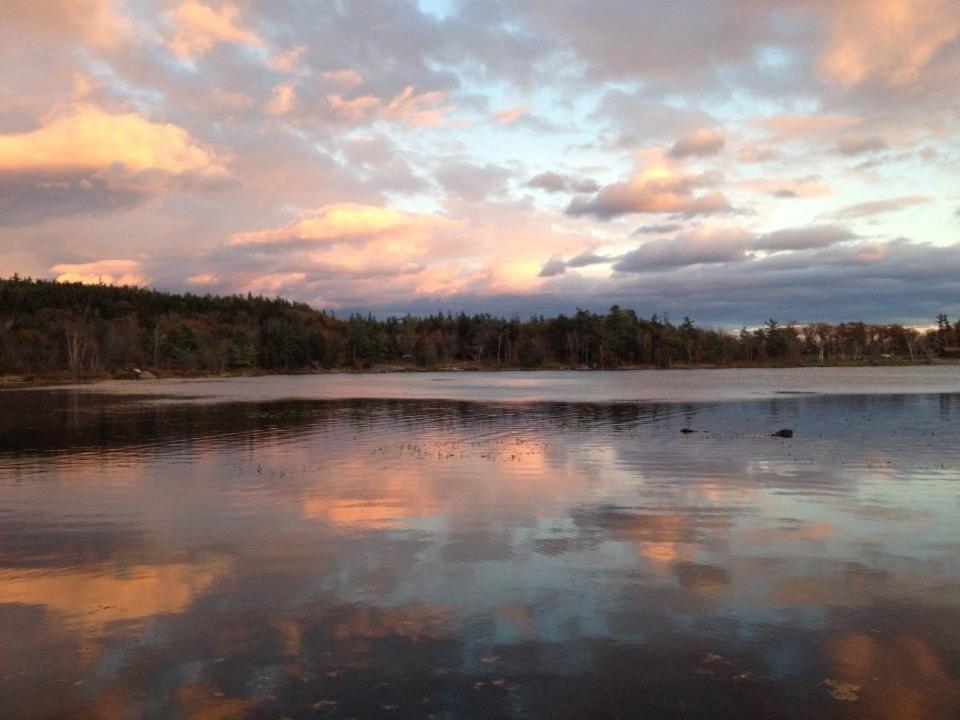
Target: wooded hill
<point>47,327</point>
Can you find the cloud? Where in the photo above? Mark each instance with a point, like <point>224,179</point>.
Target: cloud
<point>859,145</point>
<point>639,119</point>
<point>556,182</point>
<point>510,115</point>
<point>347,77</point>
<point>554,266</point>
<point>84,160</point>
<point>203,279</point>
<point>199,27</point>
<point>876,207</point>
<point>428,109</point>
<point>758,154</point>
<point>108,272</point>
<point>659,229</point>
<point>95,21</point>
<point>724,245</point>
<point>789,188</point>
<point>804,238</point>
<point>789,127</point>
<point>558,266</point>
<point>693,248</point>
<point>587,258</point>
<point>346,223</point>
<point>701,143</point>
<point>470,182</point>
<point>289,61</point>
<point>29,198</point>
<point>88,138</point>
<point>654,191</point>
<point>282,99</point>
<point>378,104</point>
<point>891,41</point>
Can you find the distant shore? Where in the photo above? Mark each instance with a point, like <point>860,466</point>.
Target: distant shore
<point>56,378</point>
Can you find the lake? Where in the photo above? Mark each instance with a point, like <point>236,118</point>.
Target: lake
<point>484,545</point>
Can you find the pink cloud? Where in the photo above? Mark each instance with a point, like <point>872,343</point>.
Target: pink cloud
<point>700,144</point>
<point>510,115</point>
<point>282,100</point>
<point>108,272</point>
<point>199,27</point>
<point>347,77</point>
<point>655,191</point>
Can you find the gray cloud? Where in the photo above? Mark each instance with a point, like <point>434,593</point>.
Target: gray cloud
<point>701,143</point>
<point>553,182</point>
<point>816,236</point>
<point>558,266</point>
<point>859,146</point>
<point>471,182</point>
<point>686,249</point>
<point>553,266</point>
<point>587,258</point>
<point>31,198</point>
<point>916,281</point>
<point>660,229</point>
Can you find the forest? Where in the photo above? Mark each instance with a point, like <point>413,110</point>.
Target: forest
<point>50,329</point>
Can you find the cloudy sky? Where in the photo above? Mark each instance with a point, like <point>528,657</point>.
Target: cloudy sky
<point>726,159</point>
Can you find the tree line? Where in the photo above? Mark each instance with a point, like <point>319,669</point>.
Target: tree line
<point>49,327</point>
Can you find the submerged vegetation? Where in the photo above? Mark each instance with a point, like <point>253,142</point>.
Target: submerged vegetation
<point>48,327</point>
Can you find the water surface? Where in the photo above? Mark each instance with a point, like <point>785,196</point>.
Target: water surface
<point>559,386</point>
<point>412,558</point>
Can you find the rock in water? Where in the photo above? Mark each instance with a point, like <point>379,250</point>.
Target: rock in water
<point>687,431</point>
<point>785,433</point>
<point>144,374</point>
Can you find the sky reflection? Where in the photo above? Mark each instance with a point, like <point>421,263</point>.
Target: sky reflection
<point>363,558</point>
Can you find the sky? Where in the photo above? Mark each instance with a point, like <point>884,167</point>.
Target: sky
<point>730,160</point>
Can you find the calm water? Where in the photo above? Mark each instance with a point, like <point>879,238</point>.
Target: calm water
<point>270,554</point>
<point>562,386</point>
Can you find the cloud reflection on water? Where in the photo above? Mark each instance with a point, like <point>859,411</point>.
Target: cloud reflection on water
<point>363,558</point>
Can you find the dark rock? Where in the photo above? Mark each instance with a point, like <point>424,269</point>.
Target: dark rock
<point>785,433</point>
<point>687,431</point>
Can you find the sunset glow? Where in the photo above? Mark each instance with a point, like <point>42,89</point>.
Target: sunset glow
<point>724,160</point>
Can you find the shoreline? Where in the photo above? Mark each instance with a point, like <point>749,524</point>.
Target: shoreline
<point>66,378</point>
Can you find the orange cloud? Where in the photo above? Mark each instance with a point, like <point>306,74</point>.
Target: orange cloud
<point>89,138</point>
<point>200,27</point>
<point>108,272</point>
<point>282,100</point>
<point>419,110</point>
<point>346,222</point>
<point>94,21</point>
<point>892,40</point>
<point>97,598</point>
